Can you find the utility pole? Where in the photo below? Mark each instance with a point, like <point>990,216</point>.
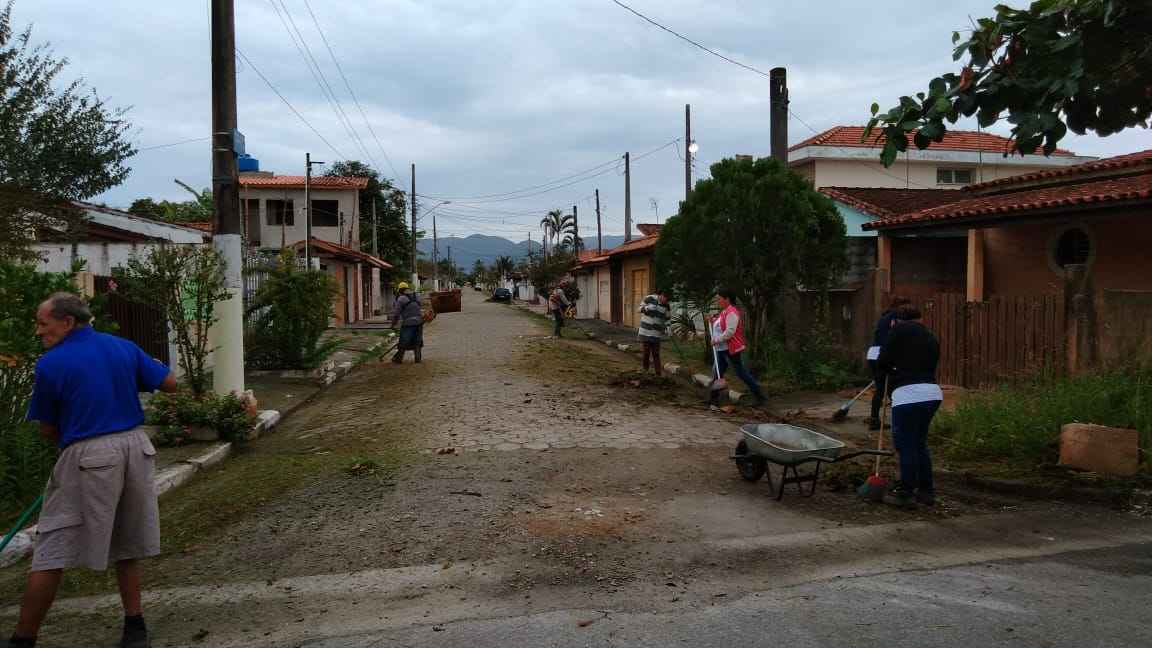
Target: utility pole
<point>412,201</point>
<point>375,251</point>
<point>228,331</point>
<point>687,150</point>
<point>778,95</point>
<point>308,162</point>
<point>599,233</point>
<point>576,242</point>
<point>435,253</point>
<point>627,197</point>
<point>451,270</point>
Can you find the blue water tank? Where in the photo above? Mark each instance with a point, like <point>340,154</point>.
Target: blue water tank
<point>247,163</point>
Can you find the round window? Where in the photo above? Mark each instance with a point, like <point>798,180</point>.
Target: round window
<point>1074,247</point>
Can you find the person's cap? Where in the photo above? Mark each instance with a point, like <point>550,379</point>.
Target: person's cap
<point>403,285</point>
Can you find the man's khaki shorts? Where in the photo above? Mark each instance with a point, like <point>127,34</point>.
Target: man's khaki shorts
<point>100,505</point>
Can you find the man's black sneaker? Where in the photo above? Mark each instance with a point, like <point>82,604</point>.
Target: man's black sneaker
<point>900,499</point>
<point>873,423</point>
<point>925,499</point>
<point>16,642</point>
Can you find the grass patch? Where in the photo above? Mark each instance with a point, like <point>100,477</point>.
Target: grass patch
<point>1020,424</point>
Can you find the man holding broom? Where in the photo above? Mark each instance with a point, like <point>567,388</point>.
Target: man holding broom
<point>100,505</point>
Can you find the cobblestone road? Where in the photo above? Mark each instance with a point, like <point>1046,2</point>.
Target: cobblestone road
<point>490,393</point>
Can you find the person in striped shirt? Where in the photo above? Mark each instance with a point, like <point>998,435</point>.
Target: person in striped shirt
<point>654,315</point>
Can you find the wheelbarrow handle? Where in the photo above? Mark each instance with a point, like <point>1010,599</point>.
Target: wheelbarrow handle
<point>861,453</point>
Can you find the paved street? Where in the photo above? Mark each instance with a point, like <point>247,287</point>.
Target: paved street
<point>577,509</point>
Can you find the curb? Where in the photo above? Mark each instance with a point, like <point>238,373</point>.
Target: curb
<point>164,480</point>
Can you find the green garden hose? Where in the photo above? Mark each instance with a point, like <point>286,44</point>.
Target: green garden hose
<point>21,522</point>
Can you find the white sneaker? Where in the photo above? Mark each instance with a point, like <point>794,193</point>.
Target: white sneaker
<point>714,408</point>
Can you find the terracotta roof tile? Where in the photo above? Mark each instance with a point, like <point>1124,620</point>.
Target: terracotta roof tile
<point>649,229</point>
<point>634,246</point>
<point>1129,160</point>
<point>1137,187</point>
<point>888,203</point>
<point>344,252</point>
<point>954,140</point>
<point>203,226</point>
<point>297,182</point>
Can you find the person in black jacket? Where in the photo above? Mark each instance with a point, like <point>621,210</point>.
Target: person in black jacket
<point>908,359</point>
<point>883,326</point>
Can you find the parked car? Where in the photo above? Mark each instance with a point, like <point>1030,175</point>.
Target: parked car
<point>502,294</point>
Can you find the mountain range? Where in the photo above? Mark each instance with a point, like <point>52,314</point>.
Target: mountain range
<point>465,251</point>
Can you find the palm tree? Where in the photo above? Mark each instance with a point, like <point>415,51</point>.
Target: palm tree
<point>503,266</point>
<point>553,224</point>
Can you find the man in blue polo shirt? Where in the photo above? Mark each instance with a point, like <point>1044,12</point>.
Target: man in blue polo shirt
<point>100,504</point>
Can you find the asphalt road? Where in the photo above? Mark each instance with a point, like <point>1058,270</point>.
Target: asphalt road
<point>1097,598</point>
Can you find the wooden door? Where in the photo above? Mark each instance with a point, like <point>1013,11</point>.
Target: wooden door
<point>639,290</point>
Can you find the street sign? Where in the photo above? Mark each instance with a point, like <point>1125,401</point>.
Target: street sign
<point>238,142</point>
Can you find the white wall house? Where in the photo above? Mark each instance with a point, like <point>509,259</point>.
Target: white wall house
<point>837,158</point>
<point>275,216</point>
<point>109,239</point>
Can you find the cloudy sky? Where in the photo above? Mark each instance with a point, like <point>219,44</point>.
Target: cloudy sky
<point>491,97</point>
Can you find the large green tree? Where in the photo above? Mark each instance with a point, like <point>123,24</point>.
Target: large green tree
<point>757,228</point>
<point>1059,65</point>
<point>393,237</point>
<point>58,141</point>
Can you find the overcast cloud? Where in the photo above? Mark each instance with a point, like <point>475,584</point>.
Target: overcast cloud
<point>492,96</point>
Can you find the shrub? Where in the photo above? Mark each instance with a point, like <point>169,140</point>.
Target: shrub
<point>1022,422</point>
<point>179,412</point>
<point>25,458</point>
<point>288,316</point>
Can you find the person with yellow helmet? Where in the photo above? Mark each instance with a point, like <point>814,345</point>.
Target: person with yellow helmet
<point>407,313</point>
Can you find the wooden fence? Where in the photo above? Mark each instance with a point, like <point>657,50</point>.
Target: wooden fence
<point>1003,340</point>
<point>141,323</point>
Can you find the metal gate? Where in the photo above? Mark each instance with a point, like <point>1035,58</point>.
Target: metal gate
<point>143,324</point>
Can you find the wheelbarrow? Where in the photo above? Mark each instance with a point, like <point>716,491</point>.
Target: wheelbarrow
<point>789,446</point>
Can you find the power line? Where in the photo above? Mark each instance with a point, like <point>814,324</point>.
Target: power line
<point>525,189</point>
<point>160,146</point>
<point>289,104</point>
<point>317,73</point>
<point>615,163</point>
<point>689,40</point>
<point>350,91</point>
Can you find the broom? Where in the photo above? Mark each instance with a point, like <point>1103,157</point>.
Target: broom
<point>842,413</point>
<point>718,383</point>
<point>876,486</point>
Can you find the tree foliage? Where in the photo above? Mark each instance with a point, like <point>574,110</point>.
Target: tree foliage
<point>25,459</point>
<point>199,209</point>
<point>757,228</point>
<point>58,142</point>
<point>1060,65</point>
<point>288,317</point>
<point>393,236</point>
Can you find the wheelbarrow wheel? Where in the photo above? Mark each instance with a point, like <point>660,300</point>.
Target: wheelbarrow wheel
<point>751,467</point>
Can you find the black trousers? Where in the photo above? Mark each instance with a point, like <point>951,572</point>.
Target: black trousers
<point>558,316</point>
<point>879,388</point>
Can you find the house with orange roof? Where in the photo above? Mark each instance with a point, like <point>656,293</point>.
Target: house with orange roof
<point>838,158</point>
<point>275,216</point>
<point>1051,263</point>
<point>614,283</point>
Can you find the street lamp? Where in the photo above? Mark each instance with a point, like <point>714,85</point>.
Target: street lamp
<point>693,147</point>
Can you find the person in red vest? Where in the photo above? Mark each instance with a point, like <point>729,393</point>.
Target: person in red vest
<point>728,338</point>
